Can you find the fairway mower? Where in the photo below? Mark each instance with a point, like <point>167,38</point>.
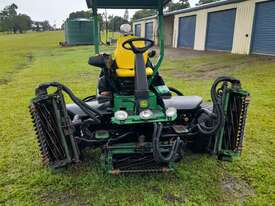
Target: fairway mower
<point>137,122</point>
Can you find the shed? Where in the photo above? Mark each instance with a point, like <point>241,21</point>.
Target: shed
<point>79,31</point>
<point>236,26</point>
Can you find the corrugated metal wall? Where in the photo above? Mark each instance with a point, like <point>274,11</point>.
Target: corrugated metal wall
<point>137,31</point>
<point>149,30</point>
<point>187,27</point>
<point>153,27</point>
<point>243,28</point>
<point>79,31</point>
<point>263,41</point>
<point>220,30</point>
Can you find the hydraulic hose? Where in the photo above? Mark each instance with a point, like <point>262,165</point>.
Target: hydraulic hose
<point>91,112</point>
<point>217,106</point>
<point>177,92</point>
<point>157,154</point>
<point>89,98</point>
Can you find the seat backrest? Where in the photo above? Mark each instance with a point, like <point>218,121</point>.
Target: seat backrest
<point>125,59</point>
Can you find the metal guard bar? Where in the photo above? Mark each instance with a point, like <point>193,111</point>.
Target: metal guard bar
<point>96,30</point>
<point>161,45</point>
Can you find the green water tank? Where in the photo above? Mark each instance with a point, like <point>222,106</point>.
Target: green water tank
<point>79,31</point>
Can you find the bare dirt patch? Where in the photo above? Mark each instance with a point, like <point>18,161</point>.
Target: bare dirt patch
<point>236,190</point>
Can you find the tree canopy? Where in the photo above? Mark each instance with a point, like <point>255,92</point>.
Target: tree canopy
<point>115,22</point>
<point>182,4</point>
<point>22,22</point>
<point>87,15</point>
<point>80,14</point>
<point>11,21</point>
<point>126,15</point>
<point>143,13</point>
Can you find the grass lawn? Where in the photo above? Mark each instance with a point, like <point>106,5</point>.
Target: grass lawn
<point>29,59</point>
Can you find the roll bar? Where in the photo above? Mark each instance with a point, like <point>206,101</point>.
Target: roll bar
<point>126,4</point>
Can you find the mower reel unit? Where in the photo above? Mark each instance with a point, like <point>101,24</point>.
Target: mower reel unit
<point>135,119</point>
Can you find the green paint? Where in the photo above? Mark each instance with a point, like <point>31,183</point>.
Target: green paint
<point>102,134</point>
<point>96,31</point>
<point>225,107</point>
<point>220,147</point>
<point>161,90</point>
<point>161,45</point>
<point>128,149</point>
<point>61,134</point>
<point>127,103</point>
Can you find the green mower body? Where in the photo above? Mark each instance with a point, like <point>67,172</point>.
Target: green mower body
<point>137,121</point>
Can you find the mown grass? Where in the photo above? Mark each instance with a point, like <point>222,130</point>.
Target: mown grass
<point>199,179</point>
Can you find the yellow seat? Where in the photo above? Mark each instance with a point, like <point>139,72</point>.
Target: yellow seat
<point>131,72</point>
<point>125,59</point>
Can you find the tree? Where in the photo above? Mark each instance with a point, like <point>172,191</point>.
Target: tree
<point>115,22</point>
<point>87,15</point>
<point>80,14</point>
<point>12,9</point>
<point>22,22</point>
<point>205,2</point>
<point>126,15</point>
<point>8,17</point>
<point>143,13</point>
<point>182,4</point>
<point>10,21</point>
<point>46,26</point>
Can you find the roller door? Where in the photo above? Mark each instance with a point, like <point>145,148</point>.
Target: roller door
<point>220,30</point>
<point>149,30</point>
<point>137,30</point>
<point>187,27</point>
<point>263,40</point>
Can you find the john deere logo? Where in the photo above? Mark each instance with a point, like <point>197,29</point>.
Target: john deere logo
<point>143,103</point>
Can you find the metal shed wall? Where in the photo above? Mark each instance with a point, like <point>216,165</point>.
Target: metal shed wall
<point>263,40</point>
<point>137,30</point>
<point>187,26</point>
<point>201,24</point>
<point>143,23</point>
<point>79,31</point>
<point>243,29</point>
<point>168,30</point>
<point>220,30</point>
<point>149,30</point>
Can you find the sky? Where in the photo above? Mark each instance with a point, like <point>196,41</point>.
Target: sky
<point>56,11</point>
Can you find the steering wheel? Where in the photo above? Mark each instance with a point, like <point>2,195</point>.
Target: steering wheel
<point>129,45</point>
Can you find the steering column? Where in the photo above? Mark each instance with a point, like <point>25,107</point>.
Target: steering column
<point>141,83</point>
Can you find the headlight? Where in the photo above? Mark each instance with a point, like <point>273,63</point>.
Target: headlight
<point>146,114</point>
<point>171,111</point>
<point>121,115</point>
